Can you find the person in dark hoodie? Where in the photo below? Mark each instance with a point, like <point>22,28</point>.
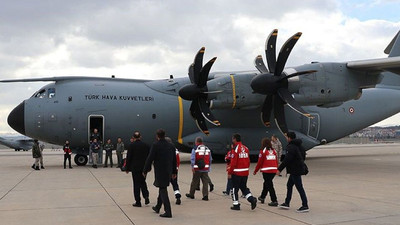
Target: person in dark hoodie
<point>294,163</point>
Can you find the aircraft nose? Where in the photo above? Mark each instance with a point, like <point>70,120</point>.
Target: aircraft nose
<point>16,119</point>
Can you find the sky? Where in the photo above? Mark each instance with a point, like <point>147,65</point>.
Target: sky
<point>153,39</point>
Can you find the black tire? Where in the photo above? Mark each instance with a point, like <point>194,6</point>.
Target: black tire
<point>81,160</point>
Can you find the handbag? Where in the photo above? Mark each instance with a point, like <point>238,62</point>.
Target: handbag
<point>305,169</point>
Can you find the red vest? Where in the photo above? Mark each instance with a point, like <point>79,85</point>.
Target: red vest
<point>267,161</point>
<point>202,152</point>
<point>240,161</point>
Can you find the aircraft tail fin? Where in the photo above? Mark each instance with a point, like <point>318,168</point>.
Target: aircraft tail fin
<point>393,49</point>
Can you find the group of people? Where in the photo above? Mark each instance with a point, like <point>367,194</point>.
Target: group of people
<point>96,148</point>
<point>164,156</point>
<point>292,159</point>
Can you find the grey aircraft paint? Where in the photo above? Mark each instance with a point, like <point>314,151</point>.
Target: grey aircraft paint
<point>341,99</point>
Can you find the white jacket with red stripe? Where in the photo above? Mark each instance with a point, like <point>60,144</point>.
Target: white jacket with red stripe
<point>240,161</point>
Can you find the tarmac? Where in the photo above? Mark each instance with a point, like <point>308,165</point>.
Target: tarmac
<point>347,184</point>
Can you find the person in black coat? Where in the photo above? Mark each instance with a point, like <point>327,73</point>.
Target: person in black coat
<point>162,154</point>
<point>294,163</point>
<point>135,160</point>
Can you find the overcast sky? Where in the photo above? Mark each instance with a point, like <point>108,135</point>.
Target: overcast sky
<point>152,39</point>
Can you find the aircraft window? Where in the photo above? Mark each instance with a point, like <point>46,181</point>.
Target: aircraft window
<point>41,94</point>
<point>52,92</point>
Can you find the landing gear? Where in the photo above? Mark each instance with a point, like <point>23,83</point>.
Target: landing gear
<point>81,160</point>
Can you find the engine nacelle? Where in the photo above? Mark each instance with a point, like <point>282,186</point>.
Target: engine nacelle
<point>331,85</point>
<point>233,91</point>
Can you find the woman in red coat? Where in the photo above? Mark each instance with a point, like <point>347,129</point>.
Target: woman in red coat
<point>268,164</point>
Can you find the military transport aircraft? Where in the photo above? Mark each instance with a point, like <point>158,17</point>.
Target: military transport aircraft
<point>321,102</point>
<point>17,142</point>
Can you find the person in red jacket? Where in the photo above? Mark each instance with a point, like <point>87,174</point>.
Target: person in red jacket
<point>239,172</point>
<point>268,164</point>
<point>67,154</point>
<point>229,180</point>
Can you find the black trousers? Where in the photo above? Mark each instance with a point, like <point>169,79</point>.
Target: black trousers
<point>175,187</point>
<point>268,186</point>
<point>163,199</point>
<point>296,181</point>
<point>240,182</point>
<point>108,155</point>
<point>67,156</point>
<point>139,184</point>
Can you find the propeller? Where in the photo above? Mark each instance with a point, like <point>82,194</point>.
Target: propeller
<point>274,83</point>
<point>197,92</point>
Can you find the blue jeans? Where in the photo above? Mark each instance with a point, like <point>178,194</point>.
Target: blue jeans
<point>296,181</point>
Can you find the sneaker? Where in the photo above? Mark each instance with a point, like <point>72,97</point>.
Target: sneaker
<point>146,201</point>
<point>190,196</point>
<point>303,209</point>
<point>284,206</point>
<point>262,200</point>
<point>235,207</point>
<point>253,203</point>
<point>178,201</point>
<point>205,198</point>
<point>225,193</point>
<point>211,187</point>
<point>42,167</point>
<point>274,204</point>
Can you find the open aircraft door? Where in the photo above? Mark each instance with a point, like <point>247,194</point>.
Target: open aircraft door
<point>96,122</point>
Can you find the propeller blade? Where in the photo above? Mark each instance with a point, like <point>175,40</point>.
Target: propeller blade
<point>259,64</point>
<point>279,114</point>
<point>198,117</point>
<point>270,52</point>
<point>287,97</point>
<point>266,111</point>
<point>285,52</point>
<point>198,64</point>
<point>206,112</point>
<point>191,73</point>
<point>298,74</point>
<point>212,92</point>
<point>203,77</point>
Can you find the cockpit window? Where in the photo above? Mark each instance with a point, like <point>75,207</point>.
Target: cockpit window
<point>40,94</point>
<point>51,92</point>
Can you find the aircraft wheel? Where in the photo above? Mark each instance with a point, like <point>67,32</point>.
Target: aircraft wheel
<point>81,160</point>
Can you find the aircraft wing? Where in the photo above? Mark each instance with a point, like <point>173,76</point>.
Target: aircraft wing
<point>391,64</point>
<point>17,143</point>
<point>65,78</point>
